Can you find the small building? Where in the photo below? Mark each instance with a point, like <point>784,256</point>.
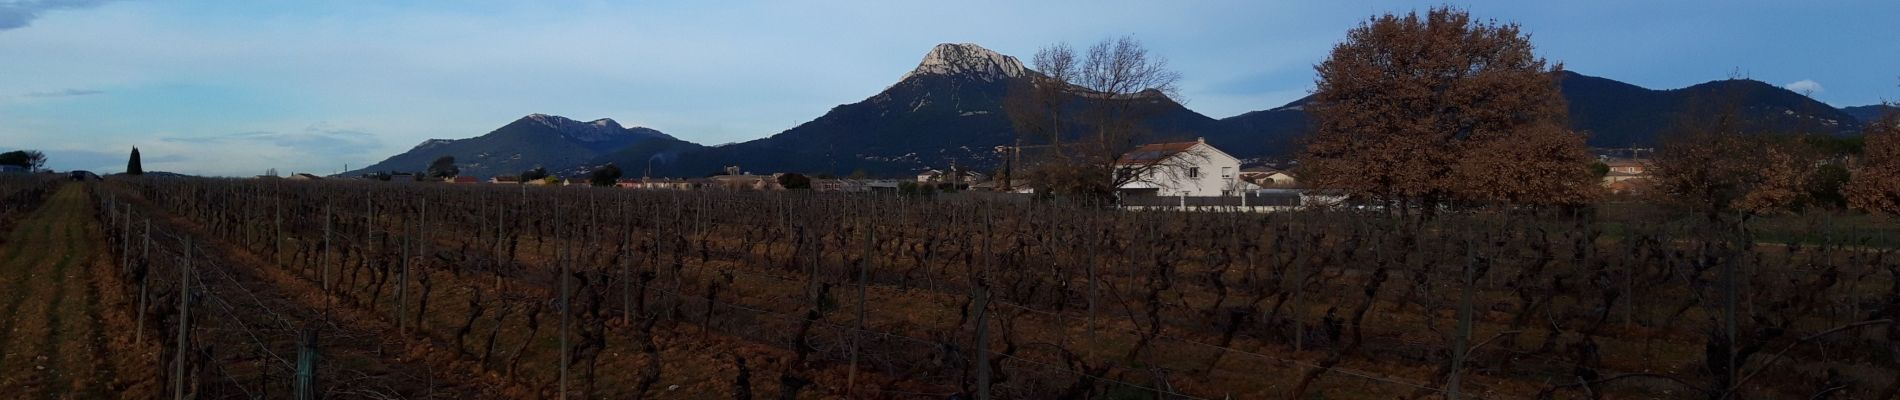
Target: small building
<point>960,177</point>
<point>1180,169</point>
<point>1268,177</point>
<point>1628,165</point>
<point>460,179</point>
<point>301,176</point>
<point>745,182</point>
<point>840,185</point>
<point>1623,169</point>
<point>658,184</point>
<point>508,179</point>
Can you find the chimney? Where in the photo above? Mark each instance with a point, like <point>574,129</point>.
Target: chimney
<point>1201,140</point>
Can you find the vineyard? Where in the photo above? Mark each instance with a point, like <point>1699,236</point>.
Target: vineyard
<point>250,289</point>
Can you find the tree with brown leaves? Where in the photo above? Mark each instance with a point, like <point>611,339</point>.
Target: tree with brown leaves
<point>1713,164</point>
<point>1875,186</point>
<point>1416,111</point>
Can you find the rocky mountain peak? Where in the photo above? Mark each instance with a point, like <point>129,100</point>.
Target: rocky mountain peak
<point>968,59</point>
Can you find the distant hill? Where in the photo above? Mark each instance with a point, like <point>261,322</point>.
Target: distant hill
<point>1869,113</point>
<point>550,141</point>
<point>949,110</point>
<point>1618,114</point>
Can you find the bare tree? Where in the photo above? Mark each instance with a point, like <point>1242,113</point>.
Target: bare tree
<point>1081,113</point>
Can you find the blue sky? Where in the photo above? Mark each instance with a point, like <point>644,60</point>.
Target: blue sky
<point>235,87</point>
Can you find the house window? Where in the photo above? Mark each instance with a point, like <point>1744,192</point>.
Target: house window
<point>1226,172</point>
<point>1194,172</point>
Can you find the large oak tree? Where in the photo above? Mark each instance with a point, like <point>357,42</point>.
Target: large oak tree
<point>1416,111</point>
<point>1875,186</point>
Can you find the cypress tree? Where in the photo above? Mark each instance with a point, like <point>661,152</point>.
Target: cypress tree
<point>132,166</point>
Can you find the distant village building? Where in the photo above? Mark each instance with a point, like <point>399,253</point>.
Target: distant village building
<point>1181,169</point>
<point>961,177</point>
<point>745,182</point>
<point>1626,175</point>
<point>460,179</point>
<point>505,179</point>
<point>660,184</point>
<point>735,179</point>
<point>840,185</point>
<point>301,176</point>
<point>1628,166</point>
<point>1268,177</point>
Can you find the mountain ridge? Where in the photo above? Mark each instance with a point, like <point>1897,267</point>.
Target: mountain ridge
<point>533,140</point>
<point>949,110</point>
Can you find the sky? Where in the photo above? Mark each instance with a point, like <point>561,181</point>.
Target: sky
<point>234,88</point>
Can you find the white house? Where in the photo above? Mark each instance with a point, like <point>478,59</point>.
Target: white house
<point>1180,169</point>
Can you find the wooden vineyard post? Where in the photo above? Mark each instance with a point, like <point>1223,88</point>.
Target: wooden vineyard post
<point>145,279</point>
<point>307,357</point>
<point>1298,287</point>
<point>982,347</point>
<point>422,255</point>
<point>325,269</point>
<point>562,252</point>
<point>1463,337</point>
<point>857,335</point>
<point>626,267</point>
<point>402,280</point>
<point>184,323</point>
<point>125,241</point>
<point>1093,260</point>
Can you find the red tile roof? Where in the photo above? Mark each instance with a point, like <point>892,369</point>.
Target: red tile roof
<point>1153,153</point>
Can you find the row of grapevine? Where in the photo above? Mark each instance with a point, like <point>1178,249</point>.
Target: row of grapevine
<point>591,292</point>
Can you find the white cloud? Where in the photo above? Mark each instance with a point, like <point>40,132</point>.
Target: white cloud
<point>1806,87</point>
<point>65,93</point>
<point>20,13</point>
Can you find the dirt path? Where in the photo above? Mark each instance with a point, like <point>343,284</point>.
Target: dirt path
<point>52,315</point>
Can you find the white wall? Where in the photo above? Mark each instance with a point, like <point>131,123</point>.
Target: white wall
<point>1218,172</point>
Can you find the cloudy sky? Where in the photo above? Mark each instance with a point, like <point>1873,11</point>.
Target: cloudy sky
<point>235,87</point>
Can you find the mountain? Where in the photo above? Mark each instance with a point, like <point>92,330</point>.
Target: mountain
<point>1869,113</point>
<point>1618,114</point>
<point>535,140</point>
<point>1271,133</point>
<point>948,110</point>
